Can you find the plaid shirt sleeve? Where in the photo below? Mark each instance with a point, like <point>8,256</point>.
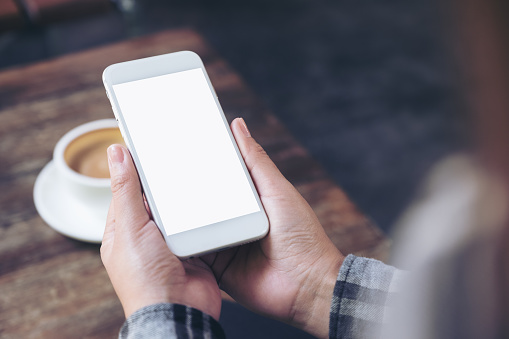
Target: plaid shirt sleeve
<point>170,321</point>
<point>363,293</point>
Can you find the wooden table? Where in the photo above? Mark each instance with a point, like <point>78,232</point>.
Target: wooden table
<point>55,287</point>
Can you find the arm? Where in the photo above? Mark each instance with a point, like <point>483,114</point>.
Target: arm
<point>149,280</point>
<point>291,274</point>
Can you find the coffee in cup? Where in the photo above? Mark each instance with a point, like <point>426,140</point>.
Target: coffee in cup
<point>87,153</point>
<point>80,155</point>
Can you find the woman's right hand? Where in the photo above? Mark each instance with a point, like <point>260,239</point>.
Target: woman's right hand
<point>290,274</point>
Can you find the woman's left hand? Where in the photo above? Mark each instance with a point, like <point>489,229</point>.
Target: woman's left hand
<point>142,269</point>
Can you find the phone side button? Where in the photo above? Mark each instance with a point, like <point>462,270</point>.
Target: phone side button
<point>114,112</point>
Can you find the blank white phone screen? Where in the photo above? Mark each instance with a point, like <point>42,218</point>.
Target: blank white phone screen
<point>191,166</point>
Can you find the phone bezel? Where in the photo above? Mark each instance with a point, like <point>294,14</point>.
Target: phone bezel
<point>204,239</point>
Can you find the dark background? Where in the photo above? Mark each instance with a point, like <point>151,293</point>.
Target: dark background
<point>368,87</point>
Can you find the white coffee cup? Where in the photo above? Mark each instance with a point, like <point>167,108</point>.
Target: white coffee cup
<point>67,198</point>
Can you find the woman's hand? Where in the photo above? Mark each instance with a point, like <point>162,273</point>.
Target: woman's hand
<point>291,273</point>
<point>142,269</point>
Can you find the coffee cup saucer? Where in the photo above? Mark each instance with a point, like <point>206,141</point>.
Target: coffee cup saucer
<point>76,212</point>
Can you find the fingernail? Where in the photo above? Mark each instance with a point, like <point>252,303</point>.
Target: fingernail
<point>115,155</point>
<point>245,130</point>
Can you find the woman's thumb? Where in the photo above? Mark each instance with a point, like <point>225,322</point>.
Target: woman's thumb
<point>266,176</point>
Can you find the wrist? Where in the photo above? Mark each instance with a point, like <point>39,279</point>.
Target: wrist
<point>311,310</point>
<point>207,300</point>
<point>142,300</point>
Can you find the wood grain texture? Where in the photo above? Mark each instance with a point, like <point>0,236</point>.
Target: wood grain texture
<point>47,11</point>
<point>55,287</point>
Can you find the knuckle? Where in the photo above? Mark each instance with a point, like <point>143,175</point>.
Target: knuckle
<point>120,182</point>
<point>259,150</point>
<point>255,152</point>
<point>256,156</point>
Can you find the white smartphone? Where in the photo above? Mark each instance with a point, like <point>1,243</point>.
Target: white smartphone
<point>195,181</point>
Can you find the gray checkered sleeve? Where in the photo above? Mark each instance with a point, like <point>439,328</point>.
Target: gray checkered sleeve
<point>362,295</point>
<point>170,321</point>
